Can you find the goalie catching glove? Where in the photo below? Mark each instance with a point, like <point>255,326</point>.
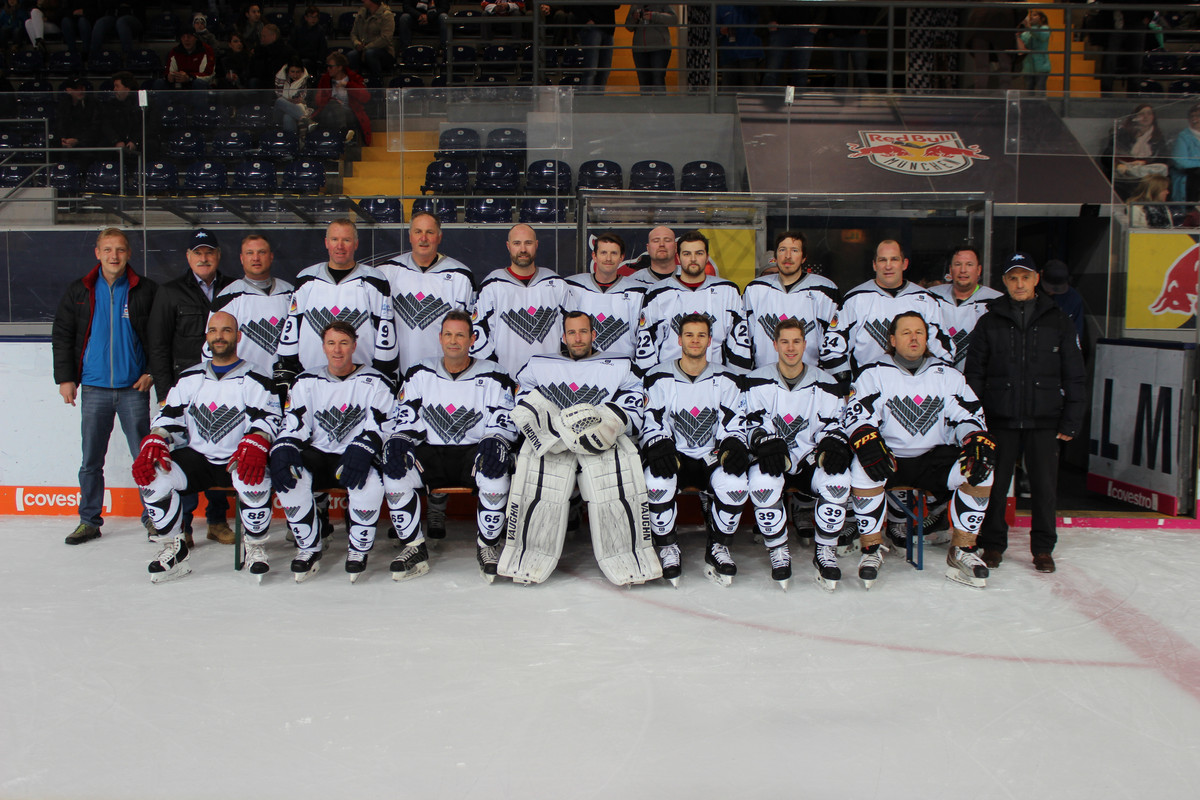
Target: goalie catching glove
<point>978,457</point>
<point>733,456</point>
<point>250,459</point>
<point>493,459</point>
<point>399,456</point>
<point>834,454</point>
<point>590,429</point>
<point>873,453</point>
<point>286,464</point>
<point>153,453</point>
<point>661,458</point>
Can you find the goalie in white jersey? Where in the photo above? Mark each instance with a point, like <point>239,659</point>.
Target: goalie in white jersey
<point>614,303</point>
<point>259,302</point>
<point>793,413</point>
<point>579,414</point>
<point>215,428</point>
<point>452,427</point>
<point>332,435</point>
<point>694,436</point>
<point>913,421</point>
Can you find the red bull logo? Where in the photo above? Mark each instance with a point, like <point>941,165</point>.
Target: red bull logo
<point>916,152</point>
<point>1178,292</point>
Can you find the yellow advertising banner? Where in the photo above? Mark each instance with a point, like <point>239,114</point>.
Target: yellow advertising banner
<point>1160,292</point>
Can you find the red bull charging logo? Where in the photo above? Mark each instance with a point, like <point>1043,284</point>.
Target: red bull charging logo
<point>916,152</point>
<point>1178,292</point>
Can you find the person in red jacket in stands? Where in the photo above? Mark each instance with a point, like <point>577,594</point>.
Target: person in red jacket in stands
<point>342,98</point>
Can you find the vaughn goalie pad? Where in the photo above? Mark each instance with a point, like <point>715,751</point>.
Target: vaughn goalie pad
<point>614,487</point>
<point>537,419</point>
<point>536,524</point>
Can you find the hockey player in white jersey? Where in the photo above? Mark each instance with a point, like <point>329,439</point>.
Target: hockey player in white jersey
<point>614,303</point>
<point>857,337</point>
<point>913,421</point>
<point>579,414</point>
<point>964,299</point>
<point>694,436</point>
<point>452,427</point>
<point>425,284</point>
<point>693,292</point>
<point>793,413</point>
<point>338,289</point>
<point>519,310</point>
<point>791,293</point>
<point>215,428</point>
<point>332,435</point>
<point>259,302</point>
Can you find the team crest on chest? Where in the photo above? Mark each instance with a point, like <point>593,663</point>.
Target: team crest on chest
<point>877,330</point>
<point>565,395</point>
<point>420,310</point>
<point>677,320</point>
<point>215,422</point>
<point>695,425</point>
<point>264,332</point>
<point>769,322</point>
<point>452,422</point>
<point>532,324</point>
<point>337,422</point>
<point>917,414</point>
<point>609,330</point>
<point>788,426</point>
<point>319,318</point>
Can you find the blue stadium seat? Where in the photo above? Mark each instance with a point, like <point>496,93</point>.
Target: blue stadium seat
<point>104,177</point>
<point>548,176</point>
<point>304,176</point>
<point>106,62</point>
<point>600,174</point>
<point>283,20</point>
<point>162,177</point>
<point>489,209</point>
<point>26,62</point>
<point>383,209</point>
<point>66,177</point>
<point>279,145</point>
<point>702,176</point>
<point>1184,87</point>
<point>254,175</point>
<point>543,209</point>
<point>37,112</point>
<point>1160,62</point>
<point>325,144</point>
<point>657,176</point>
<point>447,176</point>
<point>205,177</point>
<point>500,59</point>
<point>572,58</point>
<point>64,63</point>
<point>460,143</point>
<point>210,117</point>
<point>506,144</point>
<point>233,144</point>
<point>571,79</point>
<point>185,145</point>
<point>466,22</point>
<point>36,92</point>
<point>163,26</point>
<point>406,81</point>
<point>420,58</point>
<point>444,208</point>
<point>497,177</point>
<point>173,116</point>
<point>1146,86</point>
<point>144,62</point>
<point>13,175</point>
<point>254,117</point>
<point>462,59</point>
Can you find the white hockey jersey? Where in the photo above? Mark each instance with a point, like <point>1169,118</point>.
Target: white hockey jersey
<point>362,299</point>
<point>698,413</point>
<point>801,416</point>
<point>211,414</point>
<point>648,277</point>
<point>914,413</point>
<point>514,321</point>
<point>813,300</point>
<point>328,412</point>
<point>858,335</point>
<point>261,316</point>
<point>615,310</point>
<point>597,379</point>
<point>438,408</point>
<point>959,316</point>
<point>421,297</point>
<point>669,301</point>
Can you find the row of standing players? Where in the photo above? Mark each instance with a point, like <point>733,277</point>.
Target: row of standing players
<point>786,425</point>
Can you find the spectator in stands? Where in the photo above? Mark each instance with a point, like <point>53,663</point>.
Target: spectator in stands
<point>291,90</point>
<point>556,18</point>
<point>342,99</point>
<point>848,27</point>
<point>740,47</point>
<point>986,40</point>
<point>499,8</point>
<point>1137,148</point>
<point>1034,42</point>
<point>427,16</point>
<point>1145,209</point>
<point>44,18</point>
<point>76,25</point>
<point>1185,155</point>
<point>120,117</point>
<point>793,28</point>
<point>598,22</point>
<point>373,37</point>
<point>127,20</point>
<point>651,28</point>
<point>1056,281</point>
<point>200,28</point>
<point>309,42</point>
<point>12,24</point>
<point>77,118</point>
<point>252,25</point>
<point>270,55</point>
<point>234,66</point>
<point>190,65</point>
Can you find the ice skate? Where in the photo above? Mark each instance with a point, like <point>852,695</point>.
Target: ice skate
<point>488,556</point>
<point>306,564</point>
<point>171,562</point>
<point>413,562</point>
<point>356,563</point>
<point>803,521</point>
<point>869,565</point>
<point>435,516</point>
<point>256,559</point>
<point>828,573</point>
<point>898,533</point>
<point>669,557</point>
<point>781,565</point>
<point>966,567</point>
<point>847,541</point>
<point>718,564</point>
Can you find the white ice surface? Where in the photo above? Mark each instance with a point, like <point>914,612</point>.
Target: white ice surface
<point>1082,684</point>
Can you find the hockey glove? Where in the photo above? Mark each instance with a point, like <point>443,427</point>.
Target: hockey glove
<point>660,457</point>
<point>873,453</point>
<point>286,464</point>
<point>154,453</point>
<point>399,457</point>
<point>834,454</point>
<point>592,429</point>
<point>772,454</point>
<point>355,466</point>
<point>250,459</point>
<point>733,456</point>
<point>284,376</point>
<point>493,458</point>
<point>978,457</point>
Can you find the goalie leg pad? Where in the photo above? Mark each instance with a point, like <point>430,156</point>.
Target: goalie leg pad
<point>619,515</point>
<point>536,523</point>
<point>489,511</point>
<point>364,505</point>
<point>833,493</point>
<point>403,505</point>
<point>663,511</point>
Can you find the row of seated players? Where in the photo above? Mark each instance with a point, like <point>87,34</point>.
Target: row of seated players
<point>593,395</point>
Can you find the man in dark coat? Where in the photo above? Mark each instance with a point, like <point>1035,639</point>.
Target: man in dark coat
<point>1025,365</point>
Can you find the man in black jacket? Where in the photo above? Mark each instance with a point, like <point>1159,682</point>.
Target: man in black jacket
<point>177,327</point>
<point>1024,363</point>
<point>99,344</point>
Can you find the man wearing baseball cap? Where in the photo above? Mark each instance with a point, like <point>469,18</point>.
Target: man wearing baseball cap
<point>1025,366</point>
<point>176,337</point>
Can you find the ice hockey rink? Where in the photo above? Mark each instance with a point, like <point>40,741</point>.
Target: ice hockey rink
<point>1081,684</point>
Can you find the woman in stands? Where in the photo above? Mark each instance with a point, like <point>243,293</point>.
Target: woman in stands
<point>342,99</point>
<point>1145,209</point>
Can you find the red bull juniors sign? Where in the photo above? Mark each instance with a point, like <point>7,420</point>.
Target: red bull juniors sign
<point>916,152</point>
<point>1163,276</point>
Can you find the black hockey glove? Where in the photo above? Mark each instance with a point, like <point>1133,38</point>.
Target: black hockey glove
<point>733,456</point>
<point>660,457</point>
<point>978,457</point>
<point>493,458</point>
<point>834,454</point>
<point>772,455</point>
<point>284,376</point>
<point>399,457</point>
<point>355,466</point>
<point>873,453</point>
<point>286,464</point>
